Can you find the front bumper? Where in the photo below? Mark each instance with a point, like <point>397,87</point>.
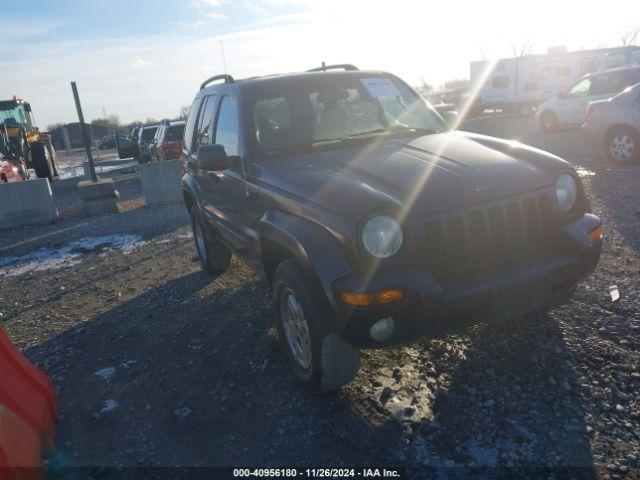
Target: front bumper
<point>431,307</point>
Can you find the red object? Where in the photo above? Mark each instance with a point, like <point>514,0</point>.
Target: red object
<point>28,410</point>
<point>8,171</point>
<point>590,110</point>
<point>170,150</point>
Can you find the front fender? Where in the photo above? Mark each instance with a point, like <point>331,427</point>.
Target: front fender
<point>190,187</point>
<point>315,248</point>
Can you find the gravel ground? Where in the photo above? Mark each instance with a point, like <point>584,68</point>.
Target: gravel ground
<point>157,364</point>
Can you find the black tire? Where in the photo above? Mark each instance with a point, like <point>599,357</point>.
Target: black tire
<point>41,161</point>
<point>213,255</point>
<point>330,362</point>
<point>548,121</point>
<point>614,148</point>
<point>54,160</point>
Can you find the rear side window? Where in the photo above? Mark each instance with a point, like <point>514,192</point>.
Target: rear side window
<point>227,131</point>
<point>191,123</point>
<point>604,84</point>
<point>149,133</point>
<point>203,133</point>
<point>272,119</point>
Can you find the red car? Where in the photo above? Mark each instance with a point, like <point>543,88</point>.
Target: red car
<point>168,143</point>
<point>8,171</point>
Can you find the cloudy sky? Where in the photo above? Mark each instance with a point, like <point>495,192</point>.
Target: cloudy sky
<point>146,58</point>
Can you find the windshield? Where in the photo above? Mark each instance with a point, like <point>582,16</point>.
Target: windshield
<point>15,117</point>
<point>339,109</point>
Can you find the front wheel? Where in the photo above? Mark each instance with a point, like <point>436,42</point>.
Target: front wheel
<point>549,121</point>
<point>623,145</point>
<point>321,360</point>
<point>41,161</point>
<point>214,257</point>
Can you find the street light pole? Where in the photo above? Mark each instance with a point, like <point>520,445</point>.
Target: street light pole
<point>85,135</point>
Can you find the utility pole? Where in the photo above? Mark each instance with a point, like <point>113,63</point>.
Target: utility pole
<point>85,134</point>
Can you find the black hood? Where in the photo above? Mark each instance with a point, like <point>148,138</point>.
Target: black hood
<point>429,174</point>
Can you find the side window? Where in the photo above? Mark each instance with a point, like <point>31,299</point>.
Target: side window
<point>581,88</point>
<point>203,134</point>
<point>604,84</point>
<point>191,123</point>
<point>500,82</point>
<point>272,120</point>
<point>227,130</point>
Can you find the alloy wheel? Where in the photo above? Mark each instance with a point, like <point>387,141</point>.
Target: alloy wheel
<point>295,328</point>
<point>622,147</point>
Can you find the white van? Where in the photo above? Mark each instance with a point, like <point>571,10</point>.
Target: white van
<point>569,107</point>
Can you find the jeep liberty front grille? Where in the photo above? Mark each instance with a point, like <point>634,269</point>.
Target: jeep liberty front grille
<point>490,234</point>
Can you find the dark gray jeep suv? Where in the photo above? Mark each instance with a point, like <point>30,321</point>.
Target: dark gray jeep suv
<point>374,222</point>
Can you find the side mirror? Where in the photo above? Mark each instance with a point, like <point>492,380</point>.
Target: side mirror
<point>213,158</point>
<point>450,118</point>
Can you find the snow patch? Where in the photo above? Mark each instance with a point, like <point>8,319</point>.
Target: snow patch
<point>583,172</point>
<point>68,255</point>
<point>182,412</point>
<point>108,406</point>
<point>105,372</point>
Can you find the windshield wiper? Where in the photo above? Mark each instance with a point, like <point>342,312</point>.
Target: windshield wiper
<point>422,131</point>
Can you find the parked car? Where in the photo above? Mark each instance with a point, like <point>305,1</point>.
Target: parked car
<point>146,136</point>
<point>8,171</point>
<point>569,107</point>
<point>152,144</point>
<point>127,148</point>
<point>373,223</point>
<point>109,141</point>
<point>168,141</point>
<point>518,84</point>
<point>615,123</point>
<point>135,133</point>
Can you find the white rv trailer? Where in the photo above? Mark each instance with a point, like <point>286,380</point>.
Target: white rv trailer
<point>517,84</point>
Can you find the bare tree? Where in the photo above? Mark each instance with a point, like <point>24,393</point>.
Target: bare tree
<point>184,112</point>
<point>629,35</point>
<point>522,49</point>
<point>53,126</point>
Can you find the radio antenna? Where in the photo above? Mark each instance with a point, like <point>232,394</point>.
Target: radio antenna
<point>224,60</point>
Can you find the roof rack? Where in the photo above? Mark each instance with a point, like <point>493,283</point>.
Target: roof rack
<point>225,77</point>
<point>341,66</point>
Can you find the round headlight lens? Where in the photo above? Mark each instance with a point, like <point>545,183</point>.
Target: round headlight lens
<point>566,192</point>
<point>381,236</point>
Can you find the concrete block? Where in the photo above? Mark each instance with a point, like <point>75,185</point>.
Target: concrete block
<point>26,203</point>
<point>161,182</point>
<point>98,197</point>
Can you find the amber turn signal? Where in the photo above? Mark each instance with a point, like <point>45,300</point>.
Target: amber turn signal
<point>366,299</point>
<point>596,234</point>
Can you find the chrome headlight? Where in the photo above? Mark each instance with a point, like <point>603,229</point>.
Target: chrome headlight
<point>566,192</point>
<point>381,236</point>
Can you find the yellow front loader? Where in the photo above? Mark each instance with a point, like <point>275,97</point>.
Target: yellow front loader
<point>22,143</point>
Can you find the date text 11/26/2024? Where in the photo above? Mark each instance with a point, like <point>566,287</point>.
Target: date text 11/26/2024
<point>317,473</point>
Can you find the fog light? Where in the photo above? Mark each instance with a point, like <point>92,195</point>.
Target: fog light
<point>382,330</point>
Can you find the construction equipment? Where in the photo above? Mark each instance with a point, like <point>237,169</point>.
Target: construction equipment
<point>22,143</point>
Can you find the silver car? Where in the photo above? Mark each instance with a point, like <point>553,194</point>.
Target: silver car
<point>615,123</point>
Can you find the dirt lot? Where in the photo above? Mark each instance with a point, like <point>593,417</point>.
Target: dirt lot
<point>157,364</point>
